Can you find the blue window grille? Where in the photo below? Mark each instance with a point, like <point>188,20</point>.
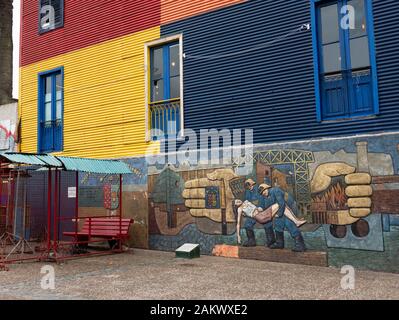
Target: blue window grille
<point>165,104</point>
<point>45,24</point>
<point>51,111</point>
<point>345,72</point>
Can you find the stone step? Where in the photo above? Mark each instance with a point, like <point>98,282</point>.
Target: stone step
<point>311,258</point>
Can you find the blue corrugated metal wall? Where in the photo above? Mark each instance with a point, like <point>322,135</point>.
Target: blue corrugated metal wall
<point>272,90</point>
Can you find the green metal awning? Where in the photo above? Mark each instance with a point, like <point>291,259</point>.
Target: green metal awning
<point>50,160</point>
<point>23,158</point>
<point>69,163</point>
<point>95,166</point>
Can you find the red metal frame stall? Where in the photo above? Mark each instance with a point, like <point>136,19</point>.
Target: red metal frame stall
<point>7,207</point>
<point>54,247</point>
<point>9,236</point>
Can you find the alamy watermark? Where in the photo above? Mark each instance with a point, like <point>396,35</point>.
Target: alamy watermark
<point>47,17</point>
<point>48,280</point>
<point>348,21</point>
<point>205,147</point>
<point>348,281</point>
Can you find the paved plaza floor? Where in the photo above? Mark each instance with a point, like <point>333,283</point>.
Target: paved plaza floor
<point>141,274</point>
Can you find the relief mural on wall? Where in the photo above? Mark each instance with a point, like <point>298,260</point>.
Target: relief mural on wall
<point>99,191</point>
<point>168,213</point>
<point>289,199</point>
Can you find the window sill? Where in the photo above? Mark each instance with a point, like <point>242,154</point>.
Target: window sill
<point>49,151</point>
<point>374,116</point>
<point>178,139</point>
<point>42,32</point>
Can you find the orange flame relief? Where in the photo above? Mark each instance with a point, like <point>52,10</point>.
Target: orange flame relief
<point>335,198</point>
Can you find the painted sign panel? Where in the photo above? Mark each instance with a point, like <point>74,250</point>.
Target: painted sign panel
<point>72,192</point>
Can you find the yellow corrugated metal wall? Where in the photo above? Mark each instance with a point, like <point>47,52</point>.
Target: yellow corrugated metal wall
<point>104,98</point>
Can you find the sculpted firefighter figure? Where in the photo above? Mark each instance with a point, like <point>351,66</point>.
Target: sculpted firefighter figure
<point>251,196</point>
<point>264,204</point>
<point>285,216</point>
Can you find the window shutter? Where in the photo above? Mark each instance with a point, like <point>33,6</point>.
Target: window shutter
<point>47,137</point>
<point>334,93</point>
<point>58,129</point>
<point>361,93</point>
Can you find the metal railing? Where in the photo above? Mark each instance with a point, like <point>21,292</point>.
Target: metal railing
<point>165,119</point>
<point>51,123</point>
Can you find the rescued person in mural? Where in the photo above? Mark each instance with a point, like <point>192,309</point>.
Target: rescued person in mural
<point>251,195</point>
<point>264,204</point>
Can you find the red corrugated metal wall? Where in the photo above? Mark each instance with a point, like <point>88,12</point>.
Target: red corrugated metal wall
<point>86,23</point>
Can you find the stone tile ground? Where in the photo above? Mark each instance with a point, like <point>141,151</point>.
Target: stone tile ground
<point>158,275</point>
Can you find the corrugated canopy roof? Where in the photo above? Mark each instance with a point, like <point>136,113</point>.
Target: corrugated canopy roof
<point>50,160</point>
<point>29,159</point>
<point>68,163</point>
<point>95,166</point>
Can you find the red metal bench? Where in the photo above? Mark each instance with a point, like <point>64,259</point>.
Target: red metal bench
<point>111,229</point>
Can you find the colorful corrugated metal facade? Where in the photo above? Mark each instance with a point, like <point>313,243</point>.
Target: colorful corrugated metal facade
<point>101,47</point>
<point>247,64</point>
<point>104,108</point>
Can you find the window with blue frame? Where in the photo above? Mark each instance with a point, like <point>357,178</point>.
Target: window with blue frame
<point>51,101</point>
<point>51,15</point>
<point>165,90</point>
<point>346,75</point>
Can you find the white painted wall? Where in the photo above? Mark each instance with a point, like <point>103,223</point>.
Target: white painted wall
<point>8,126</point>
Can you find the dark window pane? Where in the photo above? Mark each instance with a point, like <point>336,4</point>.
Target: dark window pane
<point>332,58</point>
<point>57,6</point>
<point>174,60</point>
<point>157,67</point>
<point>59,109</point>
<point>49,85</point>
<point>44,3</point>
<point>329,23</point>
<point>58,81</point>
<point>48,99</point>
<point>175,87</point>
<point>360,19</point>
<point>59,96</point>
<point>360,55</point>
<point>165,88</point>
<point>48,113</point>
<point>157,90</point>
